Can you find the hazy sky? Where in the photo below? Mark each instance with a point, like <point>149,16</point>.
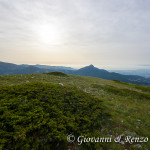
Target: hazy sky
<point>111,34</point>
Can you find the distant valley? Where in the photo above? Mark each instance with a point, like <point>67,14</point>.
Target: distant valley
<point>141,72</point>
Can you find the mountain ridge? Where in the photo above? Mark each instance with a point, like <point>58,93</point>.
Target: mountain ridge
<point>104,74</point>
<point>91,70</point>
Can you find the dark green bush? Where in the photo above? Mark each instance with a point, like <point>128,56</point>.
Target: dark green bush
<point>57,74</point>
<point>120,82</point>
<point>39,116</point>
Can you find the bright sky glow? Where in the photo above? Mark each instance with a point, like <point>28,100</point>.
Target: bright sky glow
<point>110,34</point>
<point>49,34</point>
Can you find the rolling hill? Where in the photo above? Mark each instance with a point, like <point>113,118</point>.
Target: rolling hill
<point>36,111</point>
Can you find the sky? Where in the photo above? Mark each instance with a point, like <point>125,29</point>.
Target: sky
<point>112,34</point>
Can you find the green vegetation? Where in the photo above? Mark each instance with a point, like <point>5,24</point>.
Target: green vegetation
<point>117,81</point>
<point>40,116</point>
<point>38,113</point>
<point>122,92</point>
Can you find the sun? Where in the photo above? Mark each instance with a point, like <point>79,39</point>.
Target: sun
<point>49,34</point>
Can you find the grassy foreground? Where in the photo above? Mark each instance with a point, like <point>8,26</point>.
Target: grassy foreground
<point>128,106</point>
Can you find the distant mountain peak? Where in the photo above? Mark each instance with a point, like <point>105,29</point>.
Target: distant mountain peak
<point>91,66</point>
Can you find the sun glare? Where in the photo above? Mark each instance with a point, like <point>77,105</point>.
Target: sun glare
<point>49,34</point>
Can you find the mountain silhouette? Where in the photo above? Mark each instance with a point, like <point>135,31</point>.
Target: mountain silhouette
<point>104,74</point>
<point>9,68</point>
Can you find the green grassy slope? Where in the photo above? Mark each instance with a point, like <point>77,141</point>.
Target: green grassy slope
<point>128,104</point>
